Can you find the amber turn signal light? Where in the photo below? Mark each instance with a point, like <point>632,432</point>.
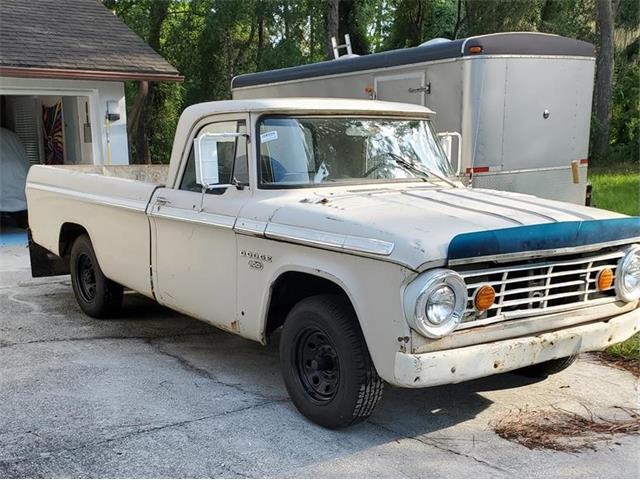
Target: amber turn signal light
<point>484,298</point>
<point>475,50</point>
<point>604,280</point>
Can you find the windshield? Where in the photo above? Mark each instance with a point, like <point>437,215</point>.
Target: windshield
<point>311,151</point>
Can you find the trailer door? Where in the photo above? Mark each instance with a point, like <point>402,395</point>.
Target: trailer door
<point>547,112</point>
<point>408,87</point>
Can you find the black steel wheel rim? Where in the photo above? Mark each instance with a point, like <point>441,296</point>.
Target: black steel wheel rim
<point>317,365</point>
<point>86,277</point>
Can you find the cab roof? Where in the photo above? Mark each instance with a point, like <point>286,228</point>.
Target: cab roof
<point>301,106</point>
<point>304,105</point>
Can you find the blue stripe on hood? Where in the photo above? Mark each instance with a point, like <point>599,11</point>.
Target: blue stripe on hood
<point>546,236</point>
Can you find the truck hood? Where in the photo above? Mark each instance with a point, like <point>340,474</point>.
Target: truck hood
<point>416,223</point>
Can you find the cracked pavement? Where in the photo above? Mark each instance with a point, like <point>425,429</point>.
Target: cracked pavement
<point>156,394</point>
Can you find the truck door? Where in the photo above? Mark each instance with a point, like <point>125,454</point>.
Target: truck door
<point>408,87</point>
<point>193,242</point>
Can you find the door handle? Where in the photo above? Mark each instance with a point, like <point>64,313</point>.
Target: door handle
<point>426,89</point>
<point>161,201</point>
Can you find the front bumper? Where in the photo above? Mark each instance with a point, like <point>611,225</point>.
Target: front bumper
<point>476,361</point>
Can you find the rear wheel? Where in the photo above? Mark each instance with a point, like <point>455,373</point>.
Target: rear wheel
<point>543,370</point>
<point>97,296</point>
<point>326,365</point>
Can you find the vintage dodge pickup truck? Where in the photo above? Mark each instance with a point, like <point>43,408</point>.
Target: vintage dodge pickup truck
<point>338,220</point>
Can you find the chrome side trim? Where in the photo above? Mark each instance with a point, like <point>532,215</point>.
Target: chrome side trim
<point>508,257</point>
<point>193,216</point>
<point>126,204</point>
<point>246,226</point>
<point>334,241</point>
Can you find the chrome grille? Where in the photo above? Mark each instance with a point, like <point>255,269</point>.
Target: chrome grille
<point>540,287</point>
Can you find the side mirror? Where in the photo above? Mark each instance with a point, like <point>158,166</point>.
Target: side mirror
<point>446,140</point>
<point>206,157</point>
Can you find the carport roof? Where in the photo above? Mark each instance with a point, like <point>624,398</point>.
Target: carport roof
<point>78,39</point>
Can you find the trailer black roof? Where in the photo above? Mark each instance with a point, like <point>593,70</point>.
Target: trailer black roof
<point>494,44</point>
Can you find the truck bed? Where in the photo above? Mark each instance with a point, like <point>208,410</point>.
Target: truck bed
<point>109,202</point>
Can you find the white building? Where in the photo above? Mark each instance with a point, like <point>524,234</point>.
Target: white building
<point>63,64</point>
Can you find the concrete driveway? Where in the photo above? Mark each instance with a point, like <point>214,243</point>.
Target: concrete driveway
<point>157,394</point>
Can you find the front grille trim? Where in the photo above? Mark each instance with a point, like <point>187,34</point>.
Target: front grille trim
<point>550,281</point>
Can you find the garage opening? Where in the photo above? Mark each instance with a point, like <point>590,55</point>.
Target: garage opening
<point>37,129</point>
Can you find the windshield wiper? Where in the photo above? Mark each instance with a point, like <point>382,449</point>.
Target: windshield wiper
<point>410,164</point>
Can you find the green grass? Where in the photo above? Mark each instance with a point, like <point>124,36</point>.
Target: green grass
<point>629,349</point>
<point>619,190</point>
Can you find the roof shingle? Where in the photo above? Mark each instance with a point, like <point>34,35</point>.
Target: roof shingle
<point>75,35</point>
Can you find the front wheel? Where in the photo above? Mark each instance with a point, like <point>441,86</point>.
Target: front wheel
<point>96,295</point>
<point>326,364</point>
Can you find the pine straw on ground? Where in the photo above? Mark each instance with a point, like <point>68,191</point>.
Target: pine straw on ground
<point>562,430</point>
<point>631,365</point>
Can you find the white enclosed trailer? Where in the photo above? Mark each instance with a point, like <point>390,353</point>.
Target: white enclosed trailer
<point>521,102</point>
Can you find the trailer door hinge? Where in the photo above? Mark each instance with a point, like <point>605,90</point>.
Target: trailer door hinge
<point>425,89</point>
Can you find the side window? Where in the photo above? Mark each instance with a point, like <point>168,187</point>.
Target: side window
<point>232,157</point>
<point>286,151</point>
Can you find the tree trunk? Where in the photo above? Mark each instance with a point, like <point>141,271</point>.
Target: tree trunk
<point>260,46</point>
<point>548,12</point>
<point>333,24</point>
<point>378,28</point>
<point>137,134</point>
<point>140,124</point>
<point>285,18</point>
<point>243,50</point>
<point>456,27</point>
<point>159,10</point>
<point>348,25</point>
<point>415,24</point>
<point>604,80</point>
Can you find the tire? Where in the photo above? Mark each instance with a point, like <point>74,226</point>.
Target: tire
<point>326,364</point>
<point>96,295</point>
<point>543,370</point>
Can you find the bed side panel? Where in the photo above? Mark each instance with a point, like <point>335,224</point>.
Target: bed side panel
<point>111,210</point>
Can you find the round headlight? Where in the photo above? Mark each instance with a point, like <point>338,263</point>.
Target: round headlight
<point>628,275</point>
<point>435,302</point>
<point>440,304</point>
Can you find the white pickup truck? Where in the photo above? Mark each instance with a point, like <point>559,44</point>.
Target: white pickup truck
<point>338,220</point>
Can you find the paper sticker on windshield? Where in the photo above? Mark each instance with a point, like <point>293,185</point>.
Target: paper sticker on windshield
<point>269,136</point>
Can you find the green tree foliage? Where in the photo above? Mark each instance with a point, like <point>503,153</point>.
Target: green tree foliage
<point>625,115</point>
<point>415,21</point>
<point>210,41</point>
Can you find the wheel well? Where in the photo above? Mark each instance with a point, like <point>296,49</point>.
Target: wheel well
<point>291,287</point>
<point>68,234</point>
